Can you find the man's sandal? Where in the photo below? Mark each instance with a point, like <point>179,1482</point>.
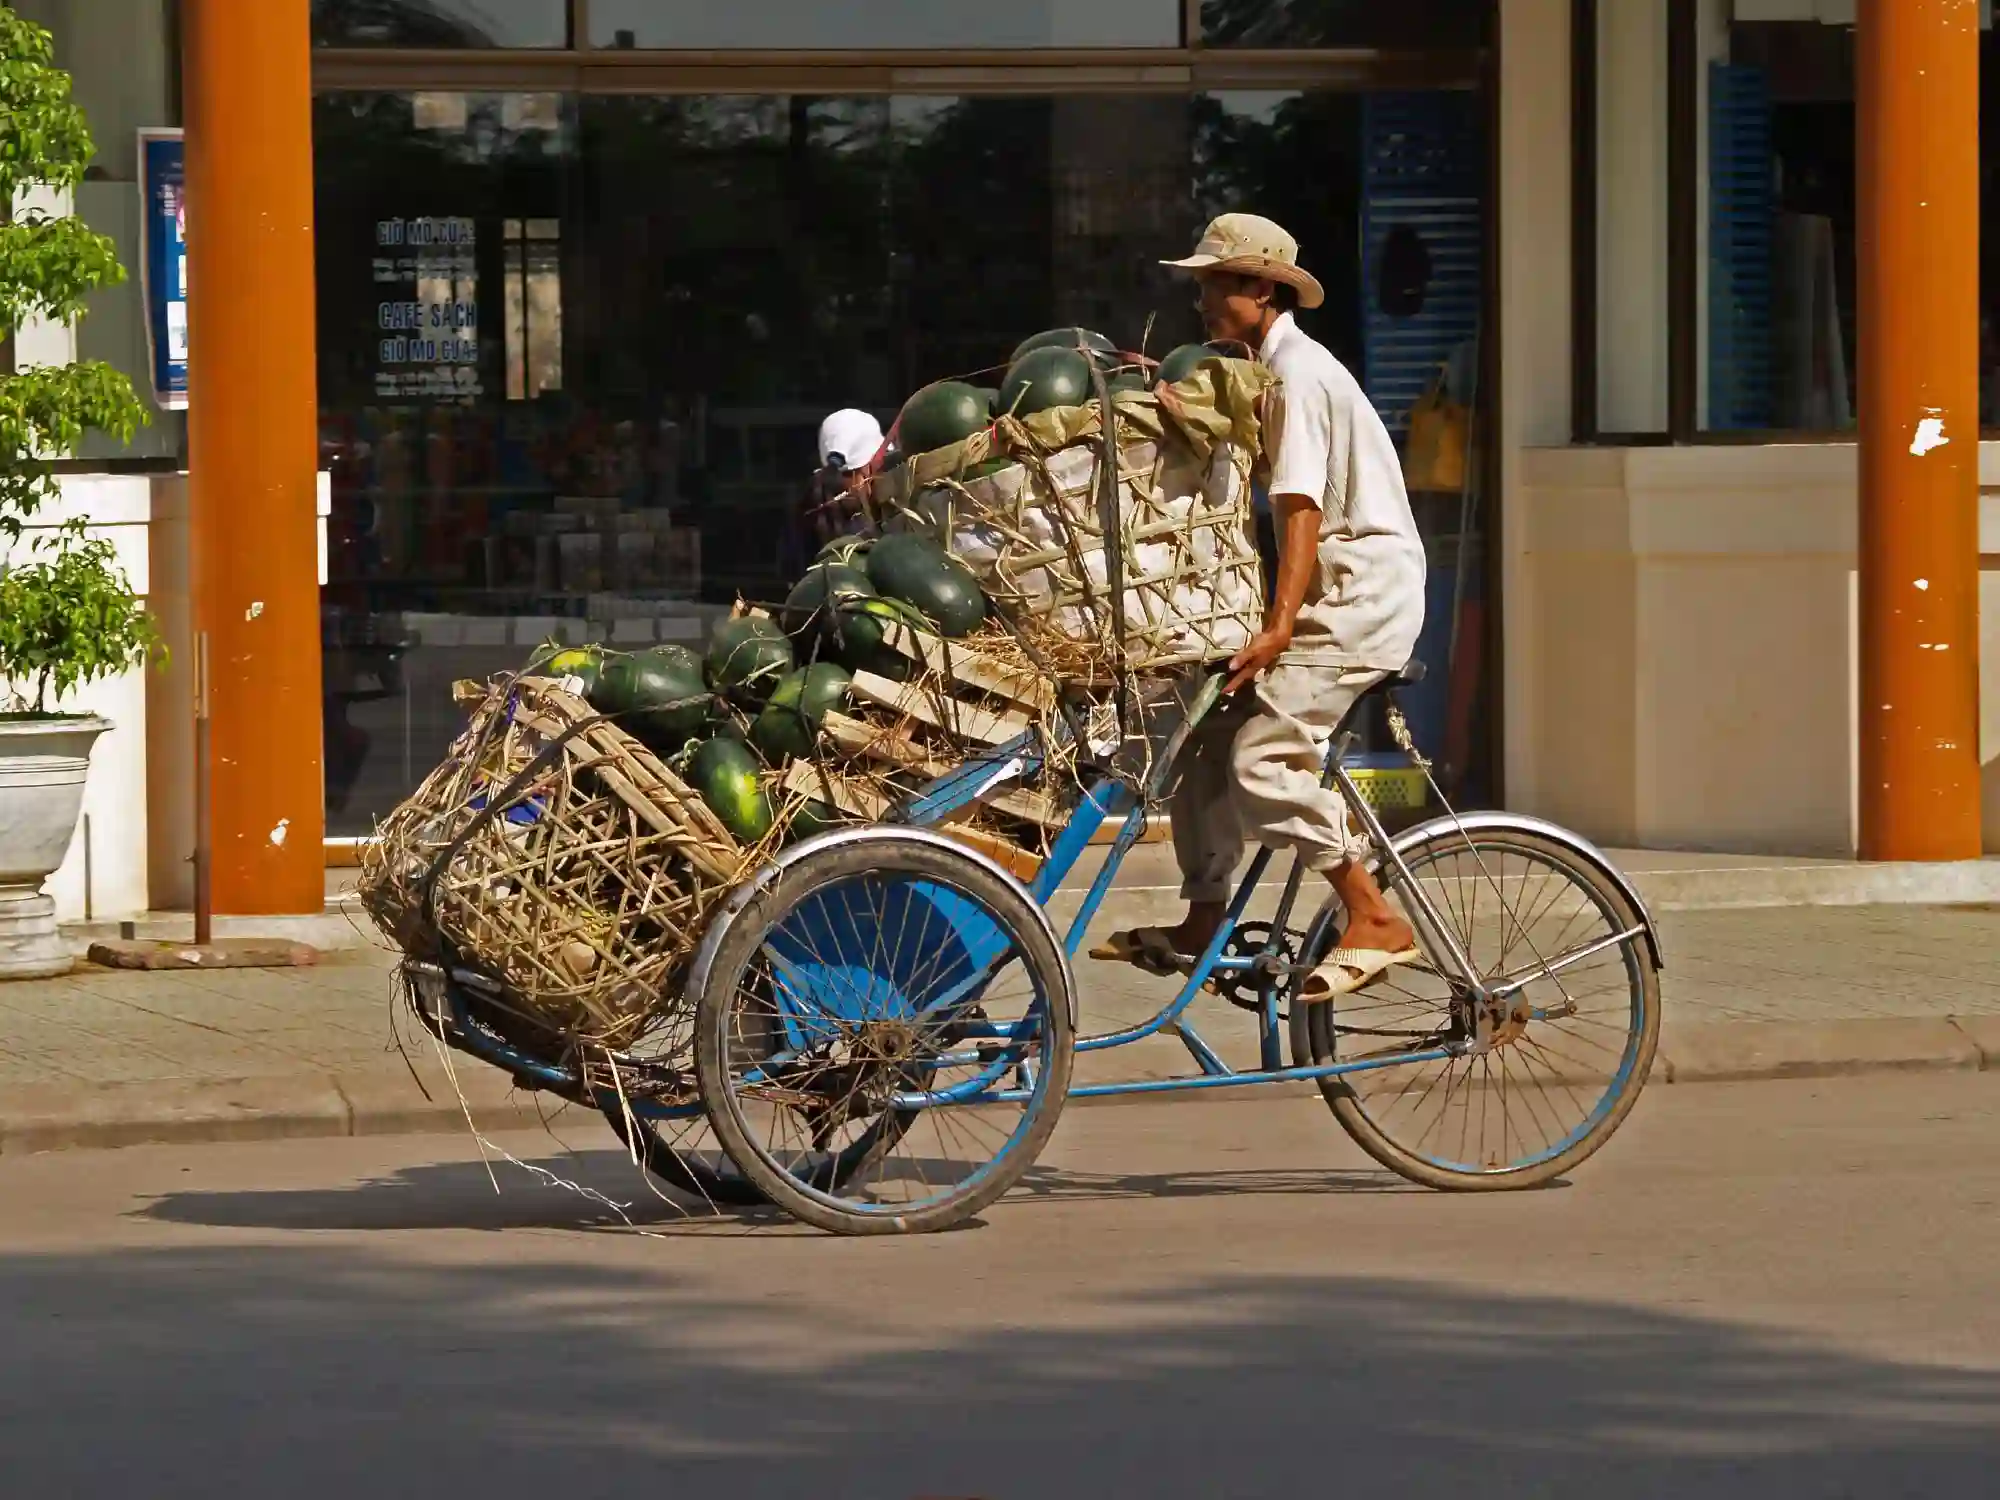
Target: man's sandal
<point>1148,948</point>
<point>1346,970</point>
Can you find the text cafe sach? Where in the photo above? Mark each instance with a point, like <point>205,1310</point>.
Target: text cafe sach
<point>436,317</point>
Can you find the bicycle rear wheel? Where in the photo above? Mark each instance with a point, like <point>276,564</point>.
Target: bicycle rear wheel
<point>1565,1066</point>
<point>895,1005</point>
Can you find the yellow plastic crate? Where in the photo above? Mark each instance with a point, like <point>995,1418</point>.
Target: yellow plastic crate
<point>1402,789</point>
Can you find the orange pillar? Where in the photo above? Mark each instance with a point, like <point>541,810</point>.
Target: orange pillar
<point>1918,233</point>
<point>253,446</point>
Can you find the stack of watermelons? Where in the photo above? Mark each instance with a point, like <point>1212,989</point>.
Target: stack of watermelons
<point>755,702</point>
<point>1051,369</point>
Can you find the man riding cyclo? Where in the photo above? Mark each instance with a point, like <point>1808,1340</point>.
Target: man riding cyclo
<point>1346,609</point>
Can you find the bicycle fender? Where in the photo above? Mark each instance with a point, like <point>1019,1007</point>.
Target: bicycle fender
<point>1554,833</point>
<point>740,897</point>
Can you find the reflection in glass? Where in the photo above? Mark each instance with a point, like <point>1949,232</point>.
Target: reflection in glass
<point>534,307</point>
<point>574,353</point>
<point>886,25</point>
<point>1779,272</point>
<point>1405,24</point>
<point>440,23</point>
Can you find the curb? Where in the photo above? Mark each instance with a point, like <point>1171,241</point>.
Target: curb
<point>1749,886</point>
<point>50,1117</point>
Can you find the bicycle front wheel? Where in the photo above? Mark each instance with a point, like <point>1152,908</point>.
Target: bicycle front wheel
<point>893,1005</point>
<point>1563,1065</point>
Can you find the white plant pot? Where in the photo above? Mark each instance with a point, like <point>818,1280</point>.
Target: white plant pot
<point>43,765</point>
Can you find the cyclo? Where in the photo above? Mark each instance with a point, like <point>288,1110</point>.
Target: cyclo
<point>887,1022</point>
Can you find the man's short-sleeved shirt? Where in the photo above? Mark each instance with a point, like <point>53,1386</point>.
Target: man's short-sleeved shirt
<point>1326,442</point>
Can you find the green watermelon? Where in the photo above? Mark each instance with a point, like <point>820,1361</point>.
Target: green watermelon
<point>991,396</point>
<point>731,782</point>
<point>789,724</point>
<point>917,570</point>
<point>806,605</point>
<point>844,549</point>
<point>813,816</point>
<point>1044,379</point>
<point>941,414</point>
<point>856,636</point>
<point>658,695</point>
<point>1101,348</point>
<point>1126,380</point>
<point>1181,363</point>
<point>584,663</point>
<point>746,657</point>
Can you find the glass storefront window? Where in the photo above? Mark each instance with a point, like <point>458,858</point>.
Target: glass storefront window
<point>440,23</point>
<point>575,352</point>
<point>1779,219</point>
<point>883,25</point>
<point>1406,24</point>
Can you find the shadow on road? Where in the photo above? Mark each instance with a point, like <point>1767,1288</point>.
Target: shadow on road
<point>459,1195</point>
<point>346,1369</point>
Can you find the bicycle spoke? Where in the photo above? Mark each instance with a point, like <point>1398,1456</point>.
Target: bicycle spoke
<point>1554,1050</point>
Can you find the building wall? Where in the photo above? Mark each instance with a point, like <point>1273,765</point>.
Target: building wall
<point>111,839</point>
<point>1691,613</point>
<point>1680,623</point>
<point>119,54</point>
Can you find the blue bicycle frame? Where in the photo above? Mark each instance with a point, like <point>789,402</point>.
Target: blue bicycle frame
<point>802,1018</point>
<point>1111,799</point>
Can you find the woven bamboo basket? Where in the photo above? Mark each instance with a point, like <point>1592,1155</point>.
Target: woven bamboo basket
<point>558,855</point>
<point>1191,580</point>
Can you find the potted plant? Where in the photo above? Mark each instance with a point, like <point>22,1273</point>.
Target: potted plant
<point>67,612</point>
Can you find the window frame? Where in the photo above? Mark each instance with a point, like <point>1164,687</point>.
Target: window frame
<point>582,68</point>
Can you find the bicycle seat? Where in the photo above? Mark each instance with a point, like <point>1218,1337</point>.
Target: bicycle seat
<point>1411,673</point>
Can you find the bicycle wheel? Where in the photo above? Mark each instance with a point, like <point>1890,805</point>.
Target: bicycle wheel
<point>684,1155</point>
<point>1570,1048</point>
<point>893,1005</point>
<point>682,1151</point>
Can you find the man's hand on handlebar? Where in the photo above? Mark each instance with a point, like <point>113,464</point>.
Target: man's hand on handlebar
<point>1265,647</point>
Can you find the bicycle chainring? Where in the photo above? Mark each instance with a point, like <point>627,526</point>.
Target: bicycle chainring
<point>1243,988</point>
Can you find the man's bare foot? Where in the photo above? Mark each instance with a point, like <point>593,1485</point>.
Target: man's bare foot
<point>1197,929</point>
<point>1378,934</point>
<point>1166,949</point>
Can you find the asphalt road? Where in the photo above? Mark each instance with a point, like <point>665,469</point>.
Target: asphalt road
<point>1768,1289</point>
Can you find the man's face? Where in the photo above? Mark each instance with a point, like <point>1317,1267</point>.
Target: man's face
<point>1233,307</point>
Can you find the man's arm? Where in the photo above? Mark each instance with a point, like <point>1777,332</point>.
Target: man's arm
<point>1297,521</point>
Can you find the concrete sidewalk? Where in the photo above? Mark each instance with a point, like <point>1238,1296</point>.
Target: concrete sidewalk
<point>108,1058</point>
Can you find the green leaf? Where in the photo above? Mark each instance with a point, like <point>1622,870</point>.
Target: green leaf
<point>49,266</point>
<point>68,615</point>
<point>43,137</point>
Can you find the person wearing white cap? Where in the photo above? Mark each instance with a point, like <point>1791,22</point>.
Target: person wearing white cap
<point>849,443</point>
<point>1348,606</point>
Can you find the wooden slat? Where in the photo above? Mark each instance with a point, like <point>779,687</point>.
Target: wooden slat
<point>804,779</point>
<point>970,669</point>
<point>964,721</point>
<point>861,801</point>
<point>858,737</point>
<point>1015,860</point>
